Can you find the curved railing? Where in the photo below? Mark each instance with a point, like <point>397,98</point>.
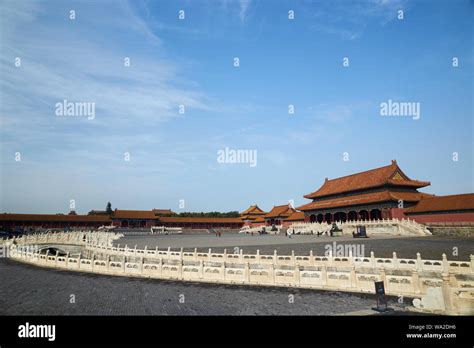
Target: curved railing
<point>407,277</point>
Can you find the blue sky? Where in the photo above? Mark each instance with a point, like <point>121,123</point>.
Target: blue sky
<point>189,62</point>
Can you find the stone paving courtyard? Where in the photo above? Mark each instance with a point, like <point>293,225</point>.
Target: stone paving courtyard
<point>30,290</point>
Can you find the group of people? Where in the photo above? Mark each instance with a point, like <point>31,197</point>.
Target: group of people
<point>289,233</point>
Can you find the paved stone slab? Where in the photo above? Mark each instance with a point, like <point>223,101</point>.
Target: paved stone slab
<point>29,290</point>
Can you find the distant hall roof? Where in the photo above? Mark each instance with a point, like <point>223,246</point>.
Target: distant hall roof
<point>387,175</point>
<point>280,211</point>
<point>364,198</point>
<point>253,210</point>
<point>444,203</point>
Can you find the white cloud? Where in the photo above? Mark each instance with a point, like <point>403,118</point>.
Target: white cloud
<point>67,60</point>
<point>349,19</point>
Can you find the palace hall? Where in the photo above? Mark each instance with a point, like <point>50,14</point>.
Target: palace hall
<point>373,194</point>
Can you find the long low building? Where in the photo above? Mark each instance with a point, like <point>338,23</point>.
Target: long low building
<point>198,222</point>
<point>119,218</point>
<point>53,220</point>
<point>443,209</point>
<point>157,217</point>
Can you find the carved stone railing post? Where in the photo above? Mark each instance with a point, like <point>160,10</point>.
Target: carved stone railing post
<point>297,275</point>
<point>180,268</point>
<point>395,260</point>
<point>415,280</point>
<point>444,264</point>
<point>372,260</point>
<point>271,273</point>
<point>247,272</point>
<point>201,269</point>
<point>222,270</point>
<point>353,277</point>
<point>350,258</point>
<point>79,261</point>
<point>92,261</point>
<point>160,267</point>
<point>419,262</point>
<point>447,295</point>
<point>324,276</point>
<point>329,258</point>
<point>382,274</point>
<point>453,282</point>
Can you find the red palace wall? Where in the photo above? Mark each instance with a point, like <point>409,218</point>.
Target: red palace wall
<point>447,217</point>
<point>396,213</point>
